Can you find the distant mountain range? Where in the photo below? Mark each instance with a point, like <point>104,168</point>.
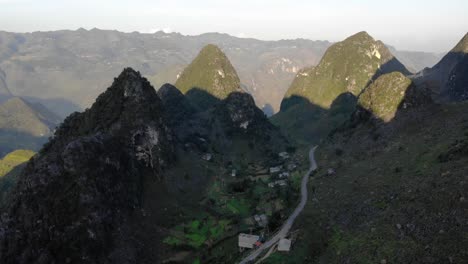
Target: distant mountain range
<point>66,70</point>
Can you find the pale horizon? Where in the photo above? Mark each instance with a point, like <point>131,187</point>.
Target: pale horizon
<point>430,26</point>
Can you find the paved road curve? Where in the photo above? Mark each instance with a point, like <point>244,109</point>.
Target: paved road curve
<point>282,233</point>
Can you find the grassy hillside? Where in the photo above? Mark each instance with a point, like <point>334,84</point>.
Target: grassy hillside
<point>14,159</point>
<point>10,167</point>
<point>398,195</point>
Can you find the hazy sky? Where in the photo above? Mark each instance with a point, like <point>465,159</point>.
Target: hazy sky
<point>426,25</point>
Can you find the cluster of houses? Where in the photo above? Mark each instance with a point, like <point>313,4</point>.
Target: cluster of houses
<point>248,241</point>
<point>282,173</point>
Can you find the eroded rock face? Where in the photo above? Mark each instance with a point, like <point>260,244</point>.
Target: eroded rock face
<point>75,197</point>
<point>242,114</point>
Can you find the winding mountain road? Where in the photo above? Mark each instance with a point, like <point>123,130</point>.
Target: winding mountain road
<point>282,233</point>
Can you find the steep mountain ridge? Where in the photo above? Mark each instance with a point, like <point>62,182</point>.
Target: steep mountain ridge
<point>210,72</point>
<point>99,159</point>
<point>322,97</point>
<point>447,79</point>
<point>117,178</point>
<point>347,66</point>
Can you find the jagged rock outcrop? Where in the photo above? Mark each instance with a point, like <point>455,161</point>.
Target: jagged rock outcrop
<point>389,94</point>
<point>448,79</point>
<point>74,199</point>
<point>210,76</point>
<point>242,114</point>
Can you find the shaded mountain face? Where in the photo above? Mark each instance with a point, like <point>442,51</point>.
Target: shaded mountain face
<point>390,93</point>
<point>322,97</point>
<point>72,200</point>
<point>176,105</point>
<point>114,179</point>
<point>447,79</point>
<point>210,72</point>
<point>403,180</point>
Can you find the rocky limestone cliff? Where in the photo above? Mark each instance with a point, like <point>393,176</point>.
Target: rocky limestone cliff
<point>73,200</point>
<point>243,115</point>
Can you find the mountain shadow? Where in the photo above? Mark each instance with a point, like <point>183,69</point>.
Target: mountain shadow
<point>61,106</point>
<point>306,123</point>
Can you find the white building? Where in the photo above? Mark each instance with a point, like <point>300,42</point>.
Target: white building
<point>284,155</point>
<point>262,220</point>
<point>275,169</point>
<point>277,183</point>
<point>233,173</point>
<point>292,167</point>
<point>207,156</point>
<point>247,241</point>
<point>284,245</point>
<point>284,175</point>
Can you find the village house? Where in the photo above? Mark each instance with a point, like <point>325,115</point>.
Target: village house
<point>207,156</point>
<point>275,169</point>
<point>247,241</point>
<point>284,175</point>
<point>233,173</point>
<point>277,183</point>
<point>284,155</point>
<point>292,167</point>
<point>284,245</point>
<point>262,220</point>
